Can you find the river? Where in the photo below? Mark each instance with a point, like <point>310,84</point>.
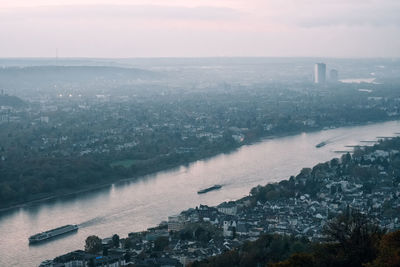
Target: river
<point>133,206</point>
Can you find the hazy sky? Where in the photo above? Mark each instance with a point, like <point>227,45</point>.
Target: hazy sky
<point>154,28</point>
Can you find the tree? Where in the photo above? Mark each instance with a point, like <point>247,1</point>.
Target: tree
<point>305,172</point>
<point>127,257</point>
<point>296,260</point>
<point>91,263</point>
<point>127,244</point>
<point>161,243</point>
<point>355,239</point>
<point>105,251</point>
<point>334,162</point>
<point>346,158</point>
<point>93,244</point>
<point>389,251</point>
<point>115,240</point>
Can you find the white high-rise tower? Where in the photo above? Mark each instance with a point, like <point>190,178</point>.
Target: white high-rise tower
<point>320,73</point>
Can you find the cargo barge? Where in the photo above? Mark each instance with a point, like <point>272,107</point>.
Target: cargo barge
<point>320,144</point>
<point>215,187</point>
<point>53,233</point>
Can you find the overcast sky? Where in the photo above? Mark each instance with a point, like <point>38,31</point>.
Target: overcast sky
<point>197,28</point>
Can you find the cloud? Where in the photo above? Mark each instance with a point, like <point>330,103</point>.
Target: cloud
<point>348,13</point>
<point>121,11</point>
<point>344,28</point>
<point>377,18</point>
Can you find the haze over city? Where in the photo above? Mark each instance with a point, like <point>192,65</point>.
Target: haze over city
<point>200,133</point>
<point>177,28</point>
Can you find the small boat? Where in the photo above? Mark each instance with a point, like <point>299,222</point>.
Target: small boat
<point>52,233</point>
<point>215,187</point>
<point>320,144</point>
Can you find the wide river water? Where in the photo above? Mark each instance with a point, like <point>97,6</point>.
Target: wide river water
<point>133,206</point>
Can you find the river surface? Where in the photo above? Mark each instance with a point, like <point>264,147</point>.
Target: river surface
<point>133,206</point>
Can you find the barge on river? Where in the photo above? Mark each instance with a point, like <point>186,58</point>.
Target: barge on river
<point>215,187</point>
<point>53,233</point>
<point>321,144</point>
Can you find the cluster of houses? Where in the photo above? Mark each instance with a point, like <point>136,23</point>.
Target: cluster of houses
<point>119,129</point>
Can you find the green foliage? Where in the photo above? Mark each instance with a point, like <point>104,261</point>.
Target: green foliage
<point>354,242</point>
<point>128,163</point>
<point>93,244</point>
<point>296,260</point>
<point>355,239</point>
<point>202,232</point>
<point>11,101</point>
<point>389,251</point>
<point>115,240</point>
<point>265,250</point>
<point>127,243</point>
<point>272,191</point>
<point>161,243</point>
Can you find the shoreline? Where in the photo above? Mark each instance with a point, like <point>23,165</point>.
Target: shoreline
<point>95,187</point>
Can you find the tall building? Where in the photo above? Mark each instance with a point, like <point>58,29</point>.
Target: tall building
<point>333,75</point>
<point>320,73</point>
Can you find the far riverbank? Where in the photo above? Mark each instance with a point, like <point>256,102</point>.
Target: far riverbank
<point>89,188</point>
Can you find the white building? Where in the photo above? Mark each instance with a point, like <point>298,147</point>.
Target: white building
<point>175,223</point>
<point>229,208</point>
<point>320,73</point>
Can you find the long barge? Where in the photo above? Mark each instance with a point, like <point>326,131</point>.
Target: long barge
<point>53,233</point>
<point>215,187</point>
<point>321,144</point>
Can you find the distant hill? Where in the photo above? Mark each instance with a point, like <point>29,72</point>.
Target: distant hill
<point>45,77</point>
<point>73,73</point>
<point>29,62</point>
<point>12,101</point>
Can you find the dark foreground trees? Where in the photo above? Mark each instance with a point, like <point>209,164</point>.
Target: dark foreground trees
<point>352,241</point>
<point>267,249</point>
<point>389,251</point>
<point>355,240</point>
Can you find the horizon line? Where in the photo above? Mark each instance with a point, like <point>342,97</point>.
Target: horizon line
<point>198,57</point>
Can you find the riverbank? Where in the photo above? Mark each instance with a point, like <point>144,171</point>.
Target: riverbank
<point>136,206</point>
<point>171,167</point>
<point>299,207</point>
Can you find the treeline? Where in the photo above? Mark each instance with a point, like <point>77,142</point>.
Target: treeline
<point>46,77</point>
<point>10,101</point>
<point>354,241</point>
<point>27,180</point>
<point>34,178</point>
